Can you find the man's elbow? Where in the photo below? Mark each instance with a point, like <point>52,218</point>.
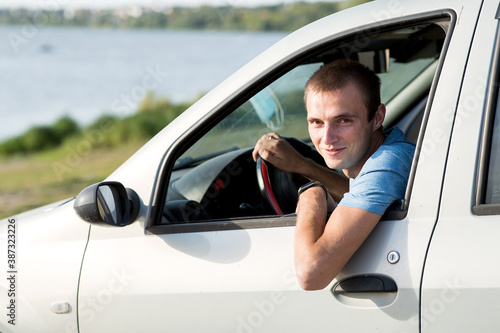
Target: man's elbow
<point>310,280</point>
<point>311,286</point>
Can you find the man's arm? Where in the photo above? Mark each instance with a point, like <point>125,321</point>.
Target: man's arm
<point>322,249</point>
<point>283,156</point>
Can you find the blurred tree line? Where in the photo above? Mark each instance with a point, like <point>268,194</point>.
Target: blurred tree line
<point>284,17</point>
<point>152,115</point>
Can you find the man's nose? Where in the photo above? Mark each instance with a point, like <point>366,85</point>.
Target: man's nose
<point>330,134</point>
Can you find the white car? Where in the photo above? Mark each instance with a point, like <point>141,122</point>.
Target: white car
<point>191,235</point>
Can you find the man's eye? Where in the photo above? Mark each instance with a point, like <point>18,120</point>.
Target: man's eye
<point>345,121</point>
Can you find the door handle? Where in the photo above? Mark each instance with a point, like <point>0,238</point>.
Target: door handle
<point>367,283</point>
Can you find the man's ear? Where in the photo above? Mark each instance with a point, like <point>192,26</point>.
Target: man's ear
<point>379,116</point>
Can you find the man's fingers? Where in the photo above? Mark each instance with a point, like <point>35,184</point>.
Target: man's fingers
<point>255,154</point>
<point>262,144</point>
<point>265,154</point>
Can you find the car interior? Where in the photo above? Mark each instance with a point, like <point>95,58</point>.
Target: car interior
<point>216,179</point>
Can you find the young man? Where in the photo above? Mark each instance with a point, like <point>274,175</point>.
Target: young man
<point>345,119</point>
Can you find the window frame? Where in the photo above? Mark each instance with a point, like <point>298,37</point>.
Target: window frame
<point>152,226</point>
<point>492,106</point>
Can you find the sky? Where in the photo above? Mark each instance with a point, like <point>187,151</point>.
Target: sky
<point>59,4</point>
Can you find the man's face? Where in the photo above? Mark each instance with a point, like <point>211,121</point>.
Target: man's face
<point>339,128</point>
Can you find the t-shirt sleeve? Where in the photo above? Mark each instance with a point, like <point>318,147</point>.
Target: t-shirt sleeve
<point>381,182</point>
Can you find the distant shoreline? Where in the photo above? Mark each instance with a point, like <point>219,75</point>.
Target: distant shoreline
<point>284,17</point>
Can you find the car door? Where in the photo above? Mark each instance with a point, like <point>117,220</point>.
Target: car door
<point>237,273</point>
<point>460,287</point>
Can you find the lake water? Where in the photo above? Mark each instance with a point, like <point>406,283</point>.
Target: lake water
<point>49,72</point>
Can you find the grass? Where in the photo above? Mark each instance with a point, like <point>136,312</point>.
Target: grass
<point>35,180</point>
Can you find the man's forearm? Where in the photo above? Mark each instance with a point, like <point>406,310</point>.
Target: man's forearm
<point>310,225</point>
<point>322,249</point>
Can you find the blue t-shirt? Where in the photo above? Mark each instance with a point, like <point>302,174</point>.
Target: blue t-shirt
<point>384,176</point>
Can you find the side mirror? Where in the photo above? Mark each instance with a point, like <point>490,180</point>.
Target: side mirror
<point>109,203</point>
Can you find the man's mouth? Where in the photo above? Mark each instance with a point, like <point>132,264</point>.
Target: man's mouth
<point>332,152</point>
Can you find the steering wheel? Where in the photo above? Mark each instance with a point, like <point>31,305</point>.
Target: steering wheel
<point>279,188</point>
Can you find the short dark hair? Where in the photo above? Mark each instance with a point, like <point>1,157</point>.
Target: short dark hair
<point>339,74</point>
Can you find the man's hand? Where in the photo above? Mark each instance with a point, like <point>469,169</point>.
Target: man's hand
<point>277,151</point>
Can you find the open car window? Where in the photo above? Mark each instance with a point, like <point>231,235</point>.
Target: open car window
<point>278,107</point>
<point>215,179</point>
